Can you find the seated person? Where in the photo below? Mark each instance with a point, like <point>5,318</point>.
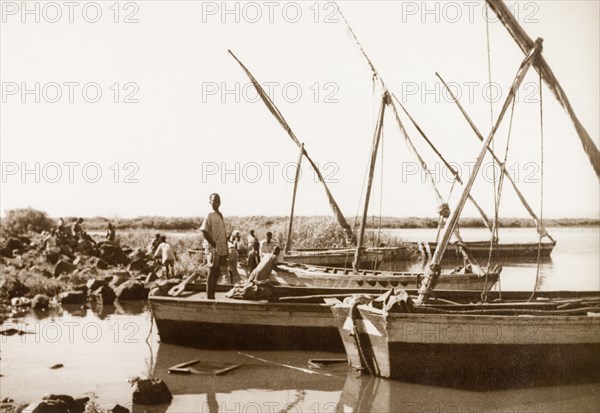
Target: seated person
<point>267,263</point>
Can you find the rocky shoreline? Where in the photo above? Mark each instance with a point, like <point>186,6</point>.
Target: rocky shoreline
<point>147,392</point>
<point>41,270</point>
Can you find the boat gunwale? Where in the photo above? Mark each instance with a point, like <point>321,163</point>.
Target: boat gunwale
<point>527,317</point>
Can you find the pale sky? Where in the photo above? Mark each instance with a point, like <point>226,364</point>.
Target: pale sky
<point>192,125</point>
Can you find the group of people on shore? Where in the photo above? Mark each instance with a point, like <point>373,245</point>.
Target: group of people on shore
<point>221,252</point>
<point>75,229</point>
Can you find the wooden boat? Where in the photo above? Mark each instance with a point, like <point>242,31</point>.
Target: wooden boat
<point>342,257</point>
<point>243,324</point>
<point>472,343</point>
<point>288,274</point>
<point>313,276</point>
<point>289,323</point>
<point>507,251</point>
<point>373,257</point>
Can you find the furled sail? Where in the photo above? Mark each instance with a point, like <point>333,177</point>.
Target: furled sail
<point>273,109</point>
<point>526,44</point>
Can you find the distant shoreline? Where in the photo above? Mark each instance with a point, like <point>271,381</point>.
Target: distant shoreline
<point>187,224</point>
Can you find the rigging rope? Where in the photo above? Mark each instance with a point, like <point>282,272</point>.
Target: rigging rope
<point>494,233</point>
<point>489,61</point>
<point>380,196</point>
<point>540,236</point>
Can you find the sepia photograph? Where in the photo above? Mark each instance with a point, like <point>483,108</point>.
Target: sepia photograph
<point>300,206</point>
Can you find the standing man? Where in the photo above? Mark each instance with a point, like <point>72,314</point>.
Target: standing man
<point>251,240</point>
<point>267,246</point>
<point>215,244</point>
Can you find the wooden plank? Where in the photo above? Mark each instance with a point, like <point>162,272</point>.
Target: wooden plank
<point>227,369</point>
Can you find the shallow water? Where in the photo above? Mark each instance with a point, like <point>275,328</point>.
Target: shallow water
<point>102,347</point>
<point>573,265</point>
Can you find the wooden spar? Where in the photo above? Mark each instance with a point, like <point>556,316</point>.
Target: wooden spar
<point>385,89</point>
<point>288,242</point>
<point>273,109</point>
<point>526,44</point>
<point>432,273</point>
<point>374,149</point>
<point>484,216</point>
<point>538,223</point>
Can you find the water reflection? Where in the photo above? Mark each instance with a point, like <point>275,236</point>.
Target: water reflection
<point>82,310</point>
<point>284,383</point>
<point>371,394</point>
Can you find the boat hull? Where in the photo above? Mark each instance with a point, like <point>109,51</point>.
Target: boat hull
<point>343,278</point>
<point>374,257</point>
<point>469,350</point>
<point>240,324</point>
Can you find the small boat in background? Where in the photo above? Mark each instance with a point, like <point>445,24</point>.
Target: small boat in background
<point>314,276</point>
<point>373,257</point>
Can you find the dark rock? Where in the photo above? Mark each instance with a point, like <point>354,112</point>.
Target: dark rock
<point>113,254</point>
<point>6,252</point>
<point>72,405</point>
<point>47,274</point>
<point>7,400</point>
<point>151,392</point>
<point>106,294</point>
<point>85,246</point>
<point>72,297</point>
<point>57,366</point>
<point>47,406</point>
<point>62,397</point>
<point>79,405</point>
<point>138,264</point>
<point>117,408</point>
<point>63,267</point>
<point>131,290</point>
<point>102,264</point>
<point>51,257</point>
<point>40,302</point>
<point>15,244</point>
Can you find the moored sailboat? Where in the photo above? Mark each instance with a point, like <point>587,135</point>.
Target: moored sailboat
<point>475,342</point>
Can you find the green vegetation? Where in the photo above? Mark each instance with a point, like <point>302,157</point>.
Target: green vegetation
<point>19,221</point>
<point>268,223</point>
